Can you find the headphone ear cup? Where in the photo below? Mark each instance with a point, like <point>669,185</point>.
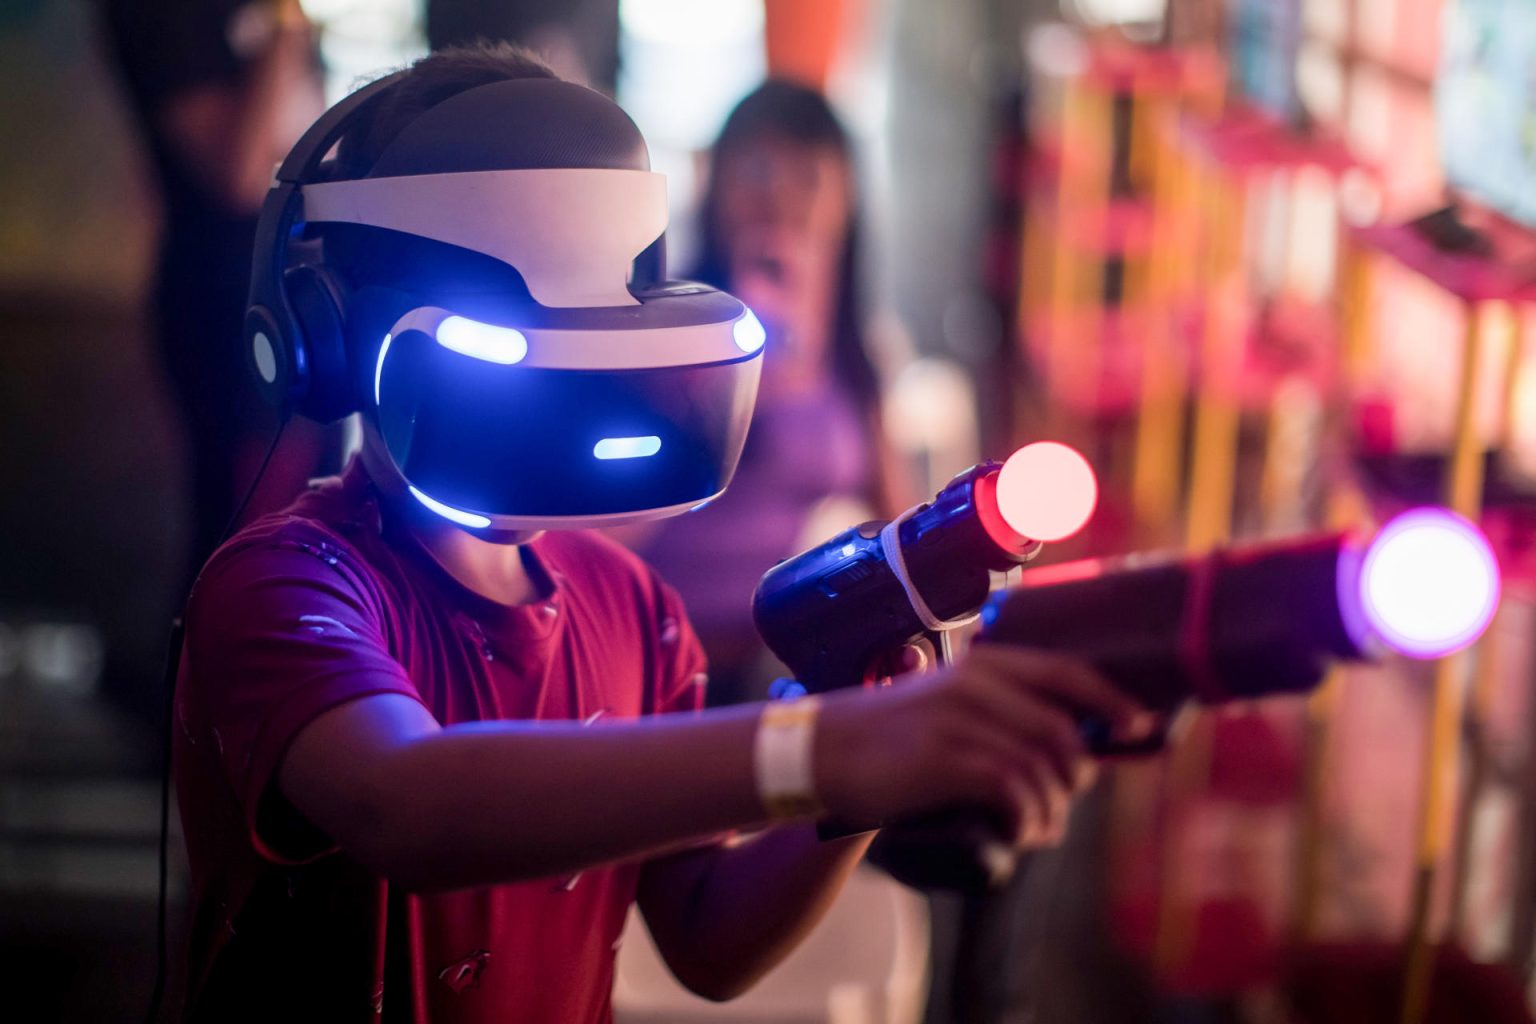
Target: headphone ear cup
<point>317,300</point>
<point>267,355</point>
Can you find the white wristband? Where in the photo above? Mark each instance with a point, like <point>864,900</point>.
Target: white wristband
<point>782,758</point>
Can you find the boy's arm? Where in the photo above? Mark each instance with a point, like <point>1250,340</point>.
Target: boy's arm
<point>433,808</point>
<point>436,808</point>
<point>723,916</point>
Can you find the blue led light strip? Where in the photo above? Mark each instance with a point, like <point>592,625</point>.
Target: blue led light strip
<point>450,513</point>
<point>627,447</point>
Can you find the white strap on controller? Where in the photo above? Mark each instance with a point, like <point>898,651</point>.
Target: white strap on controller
<point>890,545</point>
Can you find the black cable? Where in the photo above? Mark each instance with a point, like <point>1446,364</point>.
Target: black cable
<point>283,419</point>
<point>172,664</point>
<point>172,668</point>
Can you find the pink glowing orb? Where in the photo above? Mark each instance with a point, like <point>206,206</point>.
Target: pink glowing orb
<point>1046,491</point>
<point>1430,583</point>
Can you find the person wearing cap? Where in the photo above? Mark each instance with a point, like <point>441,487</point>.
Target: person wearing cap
<point>426,757</point>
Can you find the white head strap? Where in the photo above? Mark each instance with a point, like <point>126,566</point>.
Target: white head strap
<point>572,233</point>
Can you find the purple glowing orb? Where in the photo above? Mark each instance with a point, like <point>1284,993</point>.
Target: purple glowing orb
<point>1430,584</point>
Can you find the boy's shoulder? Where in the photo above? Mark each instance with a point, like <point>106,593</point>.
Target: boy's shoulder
<point>338,521</point>
<point>331,520</point>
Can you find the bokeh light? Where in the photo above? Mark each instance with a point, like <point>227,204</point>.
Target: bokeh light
<point>1430,583</point>
<point>1047,491</point>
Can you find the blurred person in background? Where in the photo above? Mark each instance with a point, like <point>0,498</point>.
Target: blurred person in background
<point>221,90</point>
<point>779,222</point>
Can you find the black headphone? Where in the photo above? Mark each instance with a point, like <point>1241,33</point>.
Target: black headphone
<point>294,329</point>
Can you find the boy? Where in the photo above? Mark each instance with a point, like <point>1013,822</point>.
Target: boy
<point>427,760</point>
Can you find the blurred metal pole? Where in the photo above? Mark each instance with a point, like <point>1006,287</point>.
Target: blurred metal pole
<point>1347,507</point>
<point>1213,468</point>
<point>1159,457</point>
<point>1485,683</point>
<point>1464,489</point>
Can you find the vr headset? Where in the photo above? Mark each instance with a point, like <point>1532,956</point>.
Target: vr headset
<point>597,394</point>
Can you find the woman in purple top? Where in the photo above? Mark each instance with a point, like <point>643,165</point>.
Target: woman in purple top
<point>779,223</point>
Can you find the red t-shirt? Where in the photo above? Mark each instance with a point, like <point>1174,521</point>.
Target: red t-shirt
<point>331,601</point>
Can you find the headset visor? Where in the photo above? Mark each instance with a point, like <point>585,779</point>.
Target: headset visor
<point>496,440</point>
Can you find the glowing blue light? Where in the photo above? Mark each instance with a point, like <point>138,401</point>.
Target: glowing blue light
<point>504,345</point>
<point>627,447</point>
<point>701,504</point>
<point>989,613</point>
<point>749,333</point>
<point>450,513</point>
<point>378,371</point>
<point>784,688</point>
<point>848,549</point>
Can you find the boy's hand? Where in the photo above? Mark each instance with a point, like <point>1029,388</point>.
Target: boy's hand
<point>998,730</point>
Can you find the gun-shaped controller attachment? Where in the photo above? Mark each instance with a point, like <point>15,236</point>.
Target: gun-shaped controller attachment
<point>1258,620</point>
<point>1238,623</point>
<point>833,612</point>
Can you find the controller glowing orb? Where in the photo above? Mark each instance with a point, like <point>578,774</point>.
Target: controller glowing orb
<point>1046,491</point>
<point>1430,583</point>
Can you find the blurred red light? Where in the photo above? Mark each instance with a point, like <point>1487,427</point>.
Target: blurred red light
<point>1047,491</point>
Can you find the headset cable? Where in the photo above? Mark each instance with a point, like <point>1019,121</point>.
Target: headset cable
<point>172,668</point>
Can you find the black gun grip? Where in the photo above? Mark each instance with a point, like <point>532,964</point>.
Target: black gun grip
<point>961,850</point>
